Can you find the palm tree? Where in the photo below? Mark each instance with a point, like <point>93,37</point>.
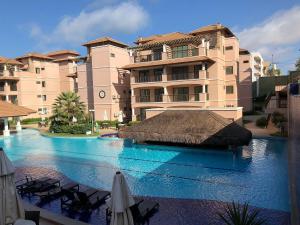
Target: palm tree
<point>68,106</point>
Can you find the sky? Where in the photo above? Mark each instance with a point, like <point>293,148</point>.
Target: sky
<point>271,27</point>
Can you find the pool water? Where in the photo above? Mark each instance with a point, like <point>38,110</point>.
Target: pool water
<point>257,174</point>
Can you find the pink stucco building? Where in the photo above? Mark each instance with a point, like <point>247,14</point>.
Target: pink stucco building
<point>35,80</point>
<point>102,84</point>
<point>195,70</point>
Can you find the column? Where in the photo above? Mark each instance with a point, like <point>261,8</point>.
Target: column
<point>133,115</point>
<point>6,131</point>
<point>203,89</point>
<point>164,74</point>
<point>18,126</point>
<point>165,96</point>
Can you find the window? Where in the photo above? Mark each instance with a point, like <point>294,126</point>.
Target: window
<point>197,91</point>
<point>2,86</point>
<point>38,82</point>
<point>180,51</point>
<point>246,61</point>
<point>158,94</point>
<point>44,98</point>
<point>229,70</point>
<point>124,92</point>
<point>144,95</point>
<point>112,55</point>
<point>125,109</point>
<point>13,86</point>
<point>229,89</point>
<point>39,96</point>
<point>180,73</point>
<point>197,68</point>
<point>43,83</point>
<point>143,76</point>
<point>228,48</point>
<point>37,70</point>
<point>180,94</point>
<point>158,74</point>
<point>43,68</point>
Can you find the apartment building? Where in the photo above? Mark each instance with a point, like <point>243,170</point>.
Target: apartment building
<point>196,70</point>
<point>102,83</point>
<point>35,80</point>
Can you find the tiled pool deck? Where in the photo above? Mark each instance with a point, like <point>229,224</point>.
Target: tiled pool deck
<point>171,211</point>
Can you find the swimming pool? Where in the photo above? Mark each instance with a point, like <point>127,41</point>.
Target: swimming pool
<point>258,174</point>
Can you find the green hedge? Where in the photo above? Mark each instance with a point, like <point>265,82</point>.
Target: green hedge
<point>32,120</point>
<point>111,123</point>
<point>131,123</point>
<point>70,129</point>
<point>261,122</point>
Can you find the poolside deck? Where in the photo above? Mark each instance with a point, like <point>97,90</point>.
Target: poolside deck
<point>172,211</point>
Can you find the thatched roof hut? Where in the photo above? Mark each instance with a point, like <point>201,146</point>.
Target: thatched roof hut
<point>188,127</point>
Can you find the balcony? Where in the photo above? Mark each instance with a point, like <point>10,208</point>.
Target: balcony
<point>201,97</point>
<point>148,79</point>
<point>149,57</point>
<point>8,75</point>
<point>184,53</point>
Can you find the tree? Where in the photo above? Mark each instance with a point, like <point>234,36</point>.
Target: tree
<point>297,65</point>
<point>68,108</point>
<point>271,71</point>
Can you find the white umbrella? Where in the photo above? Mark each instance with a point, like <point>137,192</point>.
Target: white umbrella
<point>121,200</point>
<point>105,117</point>
<point>10,206</point>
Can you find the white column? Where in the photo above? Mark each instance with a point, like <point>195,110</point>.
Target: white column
<point>7,98</point>
<point>203,66</point>
<point>165,91</point>
<point>16,68</point>
<point>203,89</point>
<point>5,67</point>
<point>6,131</point>
<point>203,42</point>
<point>18,126</point>
<point>132,92</point>
<point>164,48</point>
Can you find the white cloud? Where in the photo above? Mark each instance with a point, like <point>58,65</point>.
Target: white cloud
<point>277,35</point>
<point>125,18</point>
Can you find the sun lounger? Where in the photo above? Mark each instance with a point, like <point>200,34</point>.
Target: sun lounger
<point>28,182</point>
<point>83,200</point>
<point>57,191</point>
<point>41,186</point>
<point>141,211</point>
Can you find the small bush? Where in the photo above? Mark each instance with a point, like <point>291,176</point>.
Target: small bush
<point>111,123</point>
<point>261,122</point>
<point>32,120</point>
<point>70,129</point>
<point>278,118</point>
<point>131,123</point>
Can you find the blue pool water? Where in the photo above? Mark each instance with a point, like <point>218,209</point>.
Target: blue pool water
<point>257,174</point>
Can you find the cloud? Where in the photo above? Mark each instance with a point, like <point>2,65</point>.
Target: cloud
<point>278,35</point>
<point>123,18</point>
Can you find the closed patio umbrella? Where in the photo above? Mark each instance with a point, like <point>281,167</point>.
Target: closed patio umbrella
<point>10,206</point>
<point>121,200</point>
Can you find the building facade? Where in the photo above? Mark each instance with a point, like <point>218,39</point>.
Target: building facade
<point>197,70</point>
<point>34,81</point>
<point>102,84</point>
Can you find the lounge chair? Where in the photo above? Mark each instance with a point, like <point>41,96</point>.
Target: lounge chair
<point>141,211</point>
<point>41,186</point>
<point>85,200</point>
<point>28,182</point>
<point>56,191</point>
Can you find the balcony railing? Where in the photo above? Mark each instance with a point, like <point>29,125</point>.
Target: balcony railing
<point>185,53</point>
<point>184,76</point>
<point>201,97</point>
<point>150,57</point>
<point>146,79</point>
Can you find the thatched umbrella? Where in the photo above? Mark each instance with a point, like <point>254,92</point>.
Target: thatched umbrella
<point>188,127</point>
<point>10,207</point>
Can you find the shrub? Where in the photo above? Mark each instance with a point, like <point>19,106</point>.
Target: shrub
<point>57,127</point>
<point>236,214</point>
<point>278,118</point>
<point>32,120</point>
<point>261,122</point>
<point>111,123</point>
<point>131,123</point>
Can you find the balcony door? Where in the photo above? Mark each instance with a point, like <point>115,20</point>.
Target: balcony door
<point>180,73</point>
<point>144,95</point>
<point>181,94</point>
<point>144,76</point>
<point>180,51</point>
<point>158,94</point>
<point>197,91</point>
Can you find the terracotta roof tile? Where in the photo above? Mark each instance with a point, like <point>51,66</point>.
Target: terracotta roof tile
<point>162,38</point>
<point>63,52</point>
<point>35,55</point>
<point>11,110</point>
<point>209,28</point>
<point>105,40</point>
<point>4,60</point>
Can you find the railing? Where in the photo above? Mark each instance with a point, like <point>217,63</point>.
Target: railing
<point>184,53</point>
<point>184,76</point>
<point>148,98</point>
<point>146,79</point>
<point>150,57</point>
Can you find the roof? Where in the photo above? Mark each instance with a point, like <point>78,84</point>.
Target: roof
<point>162,38</point>
<point>244,51</point>
<point>63,52</point>
<point>105,40</point>
<point>11,110</point>
<point>35,55</point>
<point>167,62</point>
<point>4,60</point>
<point>213,27</point>
<point>188,127</point>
